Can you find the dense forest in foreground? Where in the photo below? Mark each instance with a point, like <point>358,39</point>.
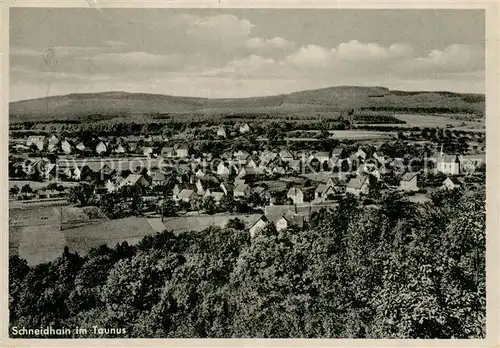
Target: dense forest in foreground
<point>400,270</point>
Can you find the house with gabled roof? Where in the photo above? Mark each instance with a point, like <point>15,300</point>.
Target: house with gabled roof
<point>158,178</point>
<point>132,147</point>
<point>221,132</point>
<point>241,191</point>
<point>49,171</point>
<point>358,185</point>
<point>323,192</point>
<point>283,216</point>
<point>101,148</point>
<point>67,146</point>
<point>38,140</point>
<point>408,181</point>
<point>286,155</point>
<point>337,152</point>
<point>167,152</point>
<point>227,188</point>
<point>296,195</point>
<point>224,169</point>
<point>288,220</point>
<point>451,183</point>
<point>182,151</point>
<point>119,149</point>
<point>360,154</point>
<point>241,156</point>
<point>216,195</point>
<point>134,180</point>
<point>252,163</point>
<point>187,195</point>
<point>267,156</point>
<point>258,226</point>
<point>244,128</point>
<point>448,164</point>
<point>52,143</point>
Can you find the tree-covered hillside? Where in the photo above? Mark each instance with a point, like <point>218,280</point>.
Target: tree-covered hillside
<point>400,270</point>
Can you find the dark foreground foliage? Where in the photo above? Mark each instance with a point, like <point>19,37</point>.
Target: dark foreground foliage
<point>397,271</point>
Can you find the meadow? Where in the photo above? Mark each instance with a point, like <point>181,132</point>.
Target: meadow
<point>35,234</point>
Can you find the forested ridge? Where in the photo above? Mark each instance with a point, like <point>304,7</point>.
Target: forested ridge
<point>400,270</point>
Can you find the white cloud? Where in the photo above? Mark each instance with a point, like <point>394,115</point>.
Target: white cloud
<point>349,52</point>
<point>355,50</point>
<point>275,42</point>
<point>453,59</point>
<point>311,55</point>
<point>222,28</point>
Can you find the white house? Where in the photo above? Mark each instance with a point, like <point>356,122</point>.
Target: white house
<point>101,148</point>
<point>187,195</point>
<point>323,191</point>
<point>242,190</point>
<point>133,180</point>
<point>448,164</point>
<point>66,147</point>
<point>37,140</point>
<point>337,152</point>
<point>360,154</point>
<point>408,182</point>
<point>223,169</point>
<point>258,226</point>
<point>286,155</point>
<point>358,185</point>
<point>226,188</point>
<point>221,132</point>
<point>296,195</point>
<point>244,128</point>
<point>80,146</point>
<point>52,143</point>
<point>182,152</point>
<point>450,183</point>
<point>119,149</point>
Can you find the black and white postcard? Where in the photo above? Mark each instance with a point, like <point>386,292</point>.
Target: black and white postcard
<point>250,172</point>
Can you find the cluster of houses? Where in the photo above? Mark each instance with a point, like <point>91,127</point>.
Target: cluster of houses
<point>126,145</point>
<point>289,185</point>
<point>223,131</point>
<point>353,172</point>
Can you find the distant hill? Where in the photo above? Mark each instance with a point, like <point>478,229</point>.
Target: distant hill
<point>100,106</point>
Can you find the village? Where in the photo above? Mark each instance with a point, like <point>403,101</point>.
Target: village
<point>152,175</point>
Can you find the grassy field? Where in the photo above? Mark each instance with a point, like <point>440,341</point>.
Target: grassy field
<point>35,234</point>
<point>415,120</point>
<point>361,135</point>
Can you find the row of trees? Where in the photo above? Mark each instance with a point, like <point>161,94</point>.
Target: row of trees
<point>401,270</point>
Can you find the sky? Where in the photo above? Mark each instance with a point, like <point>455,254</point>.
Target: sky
<point>229,53</point>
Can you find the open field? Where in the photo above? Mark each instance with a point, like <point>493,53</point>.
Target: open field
<point>415,120</point>
<point>361,135</point>
<point>35,234</point>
